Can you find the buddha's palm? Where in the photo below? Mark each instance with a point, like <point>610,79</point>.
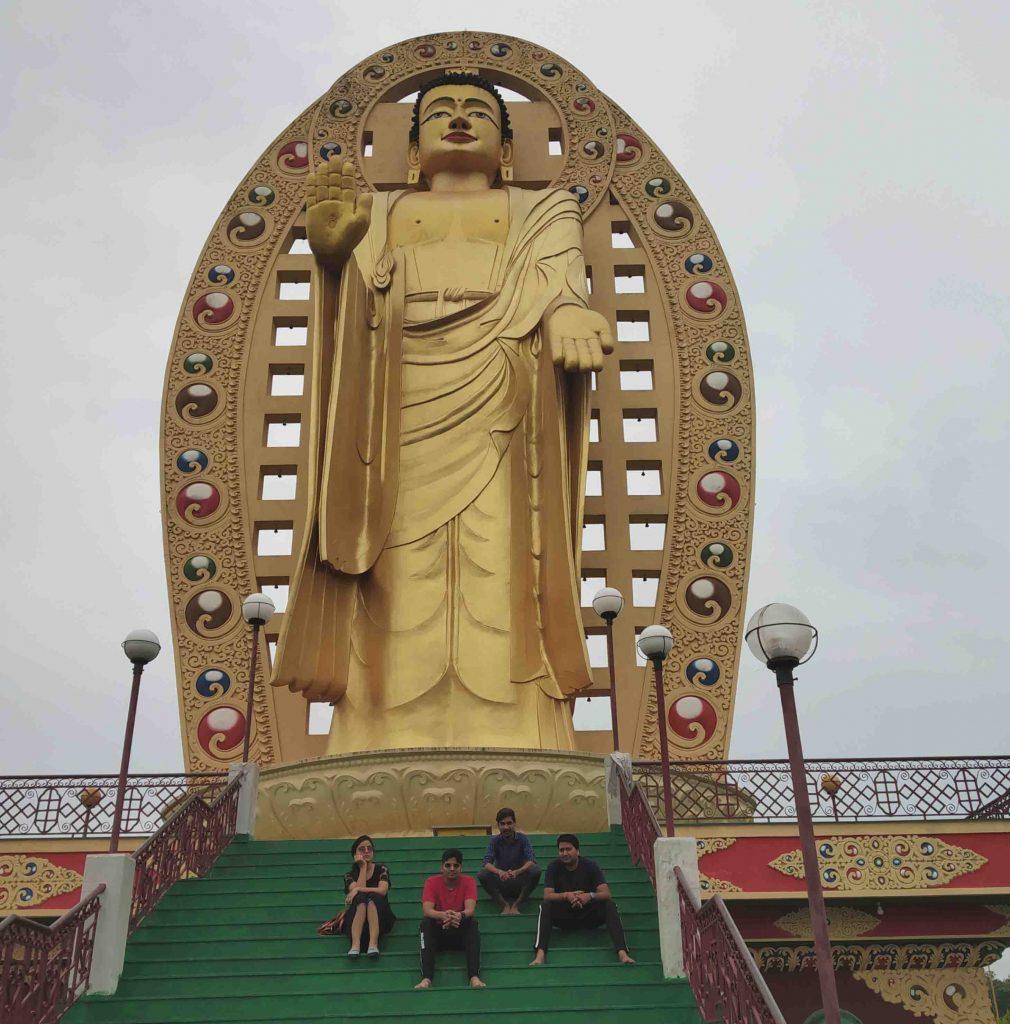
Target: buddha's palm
<point>336,216</point>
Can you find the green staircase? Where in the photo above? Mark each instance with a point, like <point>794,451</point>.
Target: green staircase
<point>240,946</point>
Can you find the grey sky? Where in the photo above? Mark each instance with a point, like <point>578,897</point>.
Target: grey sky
<point>854,162</point>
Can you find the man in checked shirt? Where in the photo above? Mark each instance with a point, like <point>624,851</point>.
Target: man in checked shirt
<point>510,871</point>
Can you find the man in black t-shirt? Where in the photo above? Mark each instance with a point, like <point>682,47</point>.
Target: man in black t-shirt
<point>576,895</point>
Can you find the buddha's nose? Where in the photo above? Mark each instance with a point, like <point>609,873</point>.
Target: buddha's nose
<point>460,121</point>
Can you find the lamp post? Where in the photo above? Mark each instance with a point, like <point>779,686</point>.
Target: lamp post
<point>141,647</point>
<point>607,603</point>
<point>781,637</point>
<point>655,643</point>
<point>257,610</point>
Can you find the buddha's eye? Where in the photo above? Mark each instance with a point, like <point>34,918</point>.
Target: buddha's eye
<point>437,113</point>
<point>480,113</point>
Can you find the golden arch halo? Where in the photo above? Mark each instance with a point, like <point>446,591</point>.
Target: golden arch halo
<point>628,190</point>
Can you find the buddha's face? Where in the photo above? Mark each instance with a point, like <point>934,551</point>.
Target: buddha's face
<point>460,130</point>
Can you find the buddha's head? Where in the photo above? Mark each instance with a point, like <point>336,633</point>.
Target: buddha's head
<point>460,123</point>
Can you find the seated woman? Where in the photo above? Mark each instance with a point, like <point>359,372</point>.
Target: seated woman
<point>366,887</point>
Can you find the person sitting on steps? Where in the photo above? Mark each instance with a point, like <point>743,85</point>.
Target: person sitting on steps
<point>366,887</point>
<point>448,903</point>
<point>510,871</point>
<point>576,896</point>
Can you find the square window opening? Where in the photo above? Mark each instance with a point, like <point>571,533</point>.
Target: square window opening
<point>594,480</point>
<point>291,331</point>
<point>644,588</point>
<point>594,535</point>
<point>367,144</point>
<point>629,280</point>
<point>644,477</point>
<point>639,426</point>
<point>647,533</point>
<point>283,431</point>
<point>592,580</point>
<point>636,374</point>
<point>591,714</point>
<point>596,645</point>
<point>277,591</point>
<point>620,235</point>
<point>594,426</point>
<point>278,483</point>
<point>274,538</point>
<point>287,381</point>
<point>633,325</point>
<point>297,244</point>
<point>293,285</point>
<point>320,718</point>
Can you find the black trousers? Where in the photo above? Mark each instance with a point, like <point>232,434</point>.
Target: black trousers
<point>502,889</point>
<point>558,914</point>
<point>434,938</point>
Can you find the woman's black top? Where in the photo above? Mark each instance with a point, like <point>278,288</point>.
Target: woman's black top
<point>378,873</point>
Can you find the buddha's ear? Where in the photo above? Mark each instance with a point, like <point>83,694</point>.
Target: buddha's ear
<point>507,154</point>
<point>413,164</point>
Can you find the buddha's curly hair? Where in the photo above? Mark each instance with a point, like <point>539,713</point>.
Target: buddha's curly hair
<point>459,78</point>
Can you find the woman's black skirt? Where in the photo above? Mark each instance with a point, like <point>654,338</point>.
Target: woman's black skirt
<point>386,916</point>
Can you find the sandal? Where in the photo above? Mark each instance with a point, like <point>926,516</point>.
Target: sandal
<point>373,951</point>
<point>353,951</point>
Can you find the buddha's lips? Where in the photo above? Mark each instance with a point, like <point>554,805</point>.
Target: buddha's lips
<point>458,137</point>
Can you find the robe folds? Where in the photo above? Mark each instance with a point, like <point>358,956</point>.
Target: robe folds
<point>436,598</point>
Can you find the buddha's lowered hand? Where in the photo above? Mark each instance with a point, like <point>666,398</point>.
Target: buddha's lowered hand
<point>579,338</point>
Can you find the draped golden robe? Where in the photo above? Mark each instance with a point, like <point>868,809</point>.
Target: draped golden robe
<point>436,601</point>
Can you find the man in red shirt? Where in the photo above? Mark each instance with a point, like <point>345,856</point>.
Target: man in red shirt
<point>449,902</point>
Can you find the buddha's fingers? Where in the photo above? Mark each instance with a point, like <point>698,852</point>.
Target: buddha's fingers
<point>585,355</point>
<point>606,340</point>
<point>571,354</point>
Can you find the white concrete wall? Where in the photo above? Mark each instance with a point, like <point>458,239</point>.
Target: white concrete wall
<point>612,763</point>
<point>245,823</point>
<point>116,870</point>
<point>679,852</point>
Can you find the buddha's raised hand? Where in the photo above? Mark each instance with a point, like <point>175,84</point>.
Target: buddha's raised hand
<point>336,216</point>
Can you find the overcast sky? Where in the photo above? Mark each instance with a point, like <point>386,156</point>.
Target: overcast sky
<point>855,164</point>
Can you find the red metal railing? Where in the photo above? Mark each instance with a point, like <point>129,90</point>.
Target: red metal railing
<point>995,810</point>
<point>44,969</point>
<point>724,978</point>
<point>640,827</point>
<point>80,806</point>
<point>186,845</point>
<point>856,789</point>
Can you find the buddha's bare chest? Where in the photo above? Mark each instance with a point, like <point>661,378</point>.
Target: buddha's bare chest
<point>428,217</point>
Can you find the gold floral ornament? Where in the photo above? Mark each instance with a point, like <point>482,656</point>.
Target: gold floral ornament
<point>954,996</point>
<point>843,923</point>
<point>869,863</point>
<point>27,881</point>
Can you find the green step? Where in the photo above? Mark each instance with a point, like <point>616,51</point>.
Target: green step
<point>153,932</point>
<point>311,947</point>
<point>239,947</point>
<point>308,913</point>
<point>366,976</point>
<point>451,995</point>
<point>252,880</point>
<point>334,960</point>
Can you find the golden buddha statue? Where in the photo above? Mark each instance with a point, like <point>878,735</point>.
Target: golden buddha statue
<point>436,601</point>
